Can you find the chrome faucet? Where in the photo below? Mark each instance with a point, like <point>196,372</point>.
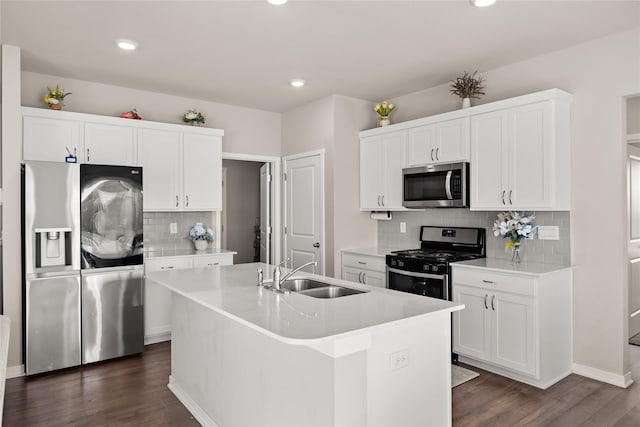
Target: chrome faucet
<point>277,280</point>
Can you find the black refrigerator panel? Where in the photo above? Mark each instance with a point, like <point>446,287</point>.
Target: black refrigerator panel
<point>111,216</point>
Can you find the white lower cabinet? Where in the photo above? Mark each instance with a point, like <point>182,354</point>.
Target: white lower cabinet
<point>516,325</point>
<point>367,270</point>
<point>157,299</point>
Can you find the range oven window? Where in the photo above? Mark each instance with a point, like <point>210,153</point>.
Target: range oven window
<point>433,186</point>
<point>429,285</point>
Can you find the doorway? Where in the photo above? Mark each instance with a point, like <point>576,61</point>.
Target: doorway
<point>304,210</point>
<point>249,217</point>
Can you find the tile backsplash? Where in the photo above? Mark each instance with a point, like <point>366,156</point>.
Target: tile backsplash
<point>549,251</point>
<point>156,229</point>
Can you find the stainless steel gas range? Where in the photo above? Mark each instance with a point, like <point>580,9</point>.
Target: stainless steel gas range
<point>426,271</point>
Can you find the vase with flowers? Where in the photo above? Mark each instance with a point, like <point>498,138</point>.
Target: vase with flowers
<point>468,86</point>
<point>384,109</point>
<point>193,117</point>
<point>515,227</point>
<point>55,98</point>
<point>200,235</point>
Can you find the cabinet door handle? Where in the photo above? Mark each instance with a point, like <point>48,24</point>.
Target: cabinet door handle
<point>510,192</point>
<point>364,278</point>
<point>176,201</point>
<point>432,154</point>
<point>378,200</point>
<point>383,200</point>
<point>211,264</point>
<point>168,267</point>
<point>503,192</point>
<point>437,157</point>
<point>363,263</point>
<point>493,299</point>
<point>187,197</point>
<point>88,155</point>
<point>316,245</point>
<point>488,281</point>
<point>360,277</point>
<point>485,301</point>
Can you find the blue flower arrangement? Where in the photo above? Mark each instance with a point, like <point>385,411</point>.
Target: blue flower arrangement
<point>200,232</point>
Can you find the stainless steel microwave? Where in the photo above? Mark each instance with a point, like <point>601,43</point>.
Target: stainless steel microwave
<point>436,186</point>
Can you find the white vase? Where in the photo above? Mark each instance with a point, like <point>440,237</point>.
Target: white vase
<point>200,245</point>
<point>466,102</point>
<point>383,121</point>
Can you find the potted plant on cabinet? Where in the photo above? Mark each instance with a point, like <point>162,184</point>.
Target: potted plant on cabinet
<point>201,236</point>
<point>468,86</point>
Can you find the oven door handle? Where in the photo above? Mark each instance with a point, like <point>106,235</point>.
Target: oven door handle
<point>447,185</point>
<point>413,274</point>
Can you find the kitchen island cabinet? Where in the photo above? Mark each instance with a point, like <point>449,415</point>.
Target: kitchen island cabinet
<point>244,355</point>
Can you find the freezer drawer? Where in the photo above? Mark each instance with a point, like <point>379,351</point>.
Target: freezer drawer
<point>52,323</point>
<point>112,314</point>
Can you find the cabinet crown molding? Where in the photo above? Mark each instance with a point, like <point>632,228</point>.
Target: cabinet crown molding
<point>138,124</point>
<point>544,95</point>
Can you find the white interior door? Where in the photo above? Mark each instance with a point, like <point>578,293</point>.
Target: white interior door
<point>634,239</point>
<point>265,213</point>
<point>304,210</point>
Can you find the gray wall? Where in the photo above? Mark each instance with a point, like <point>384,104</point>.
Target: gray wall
<point>243,207</point>
<point>549,251</point>
<point>156,229</point>
<point>633,115</point>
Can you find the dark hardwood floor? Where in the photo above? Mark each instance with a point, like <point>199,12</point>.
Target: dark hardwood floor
<point>133,392</point>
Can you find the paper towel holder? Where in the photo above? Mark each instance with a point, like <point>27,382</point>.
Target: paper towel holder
<point>381,216</point>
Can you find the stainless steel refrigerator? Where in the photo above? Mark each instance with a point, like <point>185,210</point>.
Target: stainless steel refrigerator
<point>83,269</point>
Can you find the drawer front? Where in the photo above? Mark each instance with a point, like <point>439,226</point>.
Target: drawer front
<point>363,261</point>
<point>161,264</point>
<point>494,281</point>
<point>212,260</point>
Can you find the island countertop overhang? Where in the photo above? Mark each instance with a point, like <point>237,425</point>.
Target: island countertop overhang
<point>295,318</point>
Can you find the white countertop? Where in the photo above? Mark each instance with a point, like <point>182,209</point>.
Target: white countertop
<point>378,251</point>
<point>501,265</point>
<point>172,252</point>
<point>294,318</point>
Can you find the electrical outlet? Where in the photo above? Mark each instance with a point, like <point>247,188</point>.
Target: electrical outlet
<point>548,232</point>
<point>403,227</point>
<point>399,359</point>
<point>173,228</point>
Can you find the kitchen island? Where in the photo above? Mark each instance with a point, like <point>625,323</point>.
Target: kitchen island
<point>245,355</point>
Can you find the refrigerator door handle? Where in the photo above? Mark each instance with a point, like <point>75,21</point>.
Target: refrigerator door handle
<point>90,271</point>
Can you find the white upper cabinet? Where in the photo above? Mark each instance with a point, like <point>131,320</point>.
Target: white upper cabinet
<point>109,144</point>
<point>159,155</point>
<point>438,143</point>
<point>182,165</point>
<point>202,174</point>
<point>382,159</point>
<point>47,139</point>
<point>520,158</point>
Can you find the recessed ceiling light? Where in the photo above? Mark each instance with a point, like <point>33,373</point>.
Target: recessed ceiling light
<point>277,2</point>
<point>297,82</point>
<point>482,3</point>
<point>126,44</point>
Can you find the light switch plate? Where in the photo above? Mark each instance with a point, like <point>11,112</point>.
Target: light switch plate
<point>399,359</point>
<point>548,232</point>
<point>403,227</point>
<point>173,228</point>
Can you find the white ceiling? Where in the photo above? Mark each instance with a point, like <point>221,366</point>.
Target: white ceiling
<point>244,52</point>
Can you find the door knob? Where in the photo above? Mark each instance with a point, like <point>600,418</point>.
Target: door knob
<point>316,245</point>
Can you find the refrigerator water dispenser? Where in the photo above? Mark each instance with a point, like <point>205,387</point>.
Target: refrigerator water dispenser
<point>53,247</point>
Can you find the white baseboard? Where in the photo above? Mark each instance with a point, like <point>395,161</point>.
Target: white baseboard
<point>623,381</point>
<point>15,371</point>
<point>154,339</point>
<point>198,413</point>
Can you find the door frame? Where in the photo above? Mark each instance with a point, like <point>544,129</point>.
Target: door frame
<point>276,205</point>
<point>285,159</point>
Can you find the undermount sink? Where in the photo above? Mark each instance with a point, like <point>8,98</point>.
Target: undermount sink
<point>331,292</point>
<point>301,284</point>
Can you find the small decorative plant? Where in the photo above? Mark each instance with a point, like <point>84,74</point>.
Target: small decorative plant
<point>384,109</point>
<point>200,232</point>
<point>193,117</point>
<point>131,114</point>
<point>468,86</point>
<point>55,98</point>
<point>515,227</point>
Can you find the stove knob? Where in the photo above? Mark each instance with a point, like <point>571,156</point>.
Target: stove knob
<point>434,268</point>
<point>425,267</point>
<point>400,264</point>
<point>393,262</point>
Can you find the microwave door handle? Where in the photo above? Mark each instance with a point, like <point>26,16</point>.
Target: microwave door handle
<point>447,185</point>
